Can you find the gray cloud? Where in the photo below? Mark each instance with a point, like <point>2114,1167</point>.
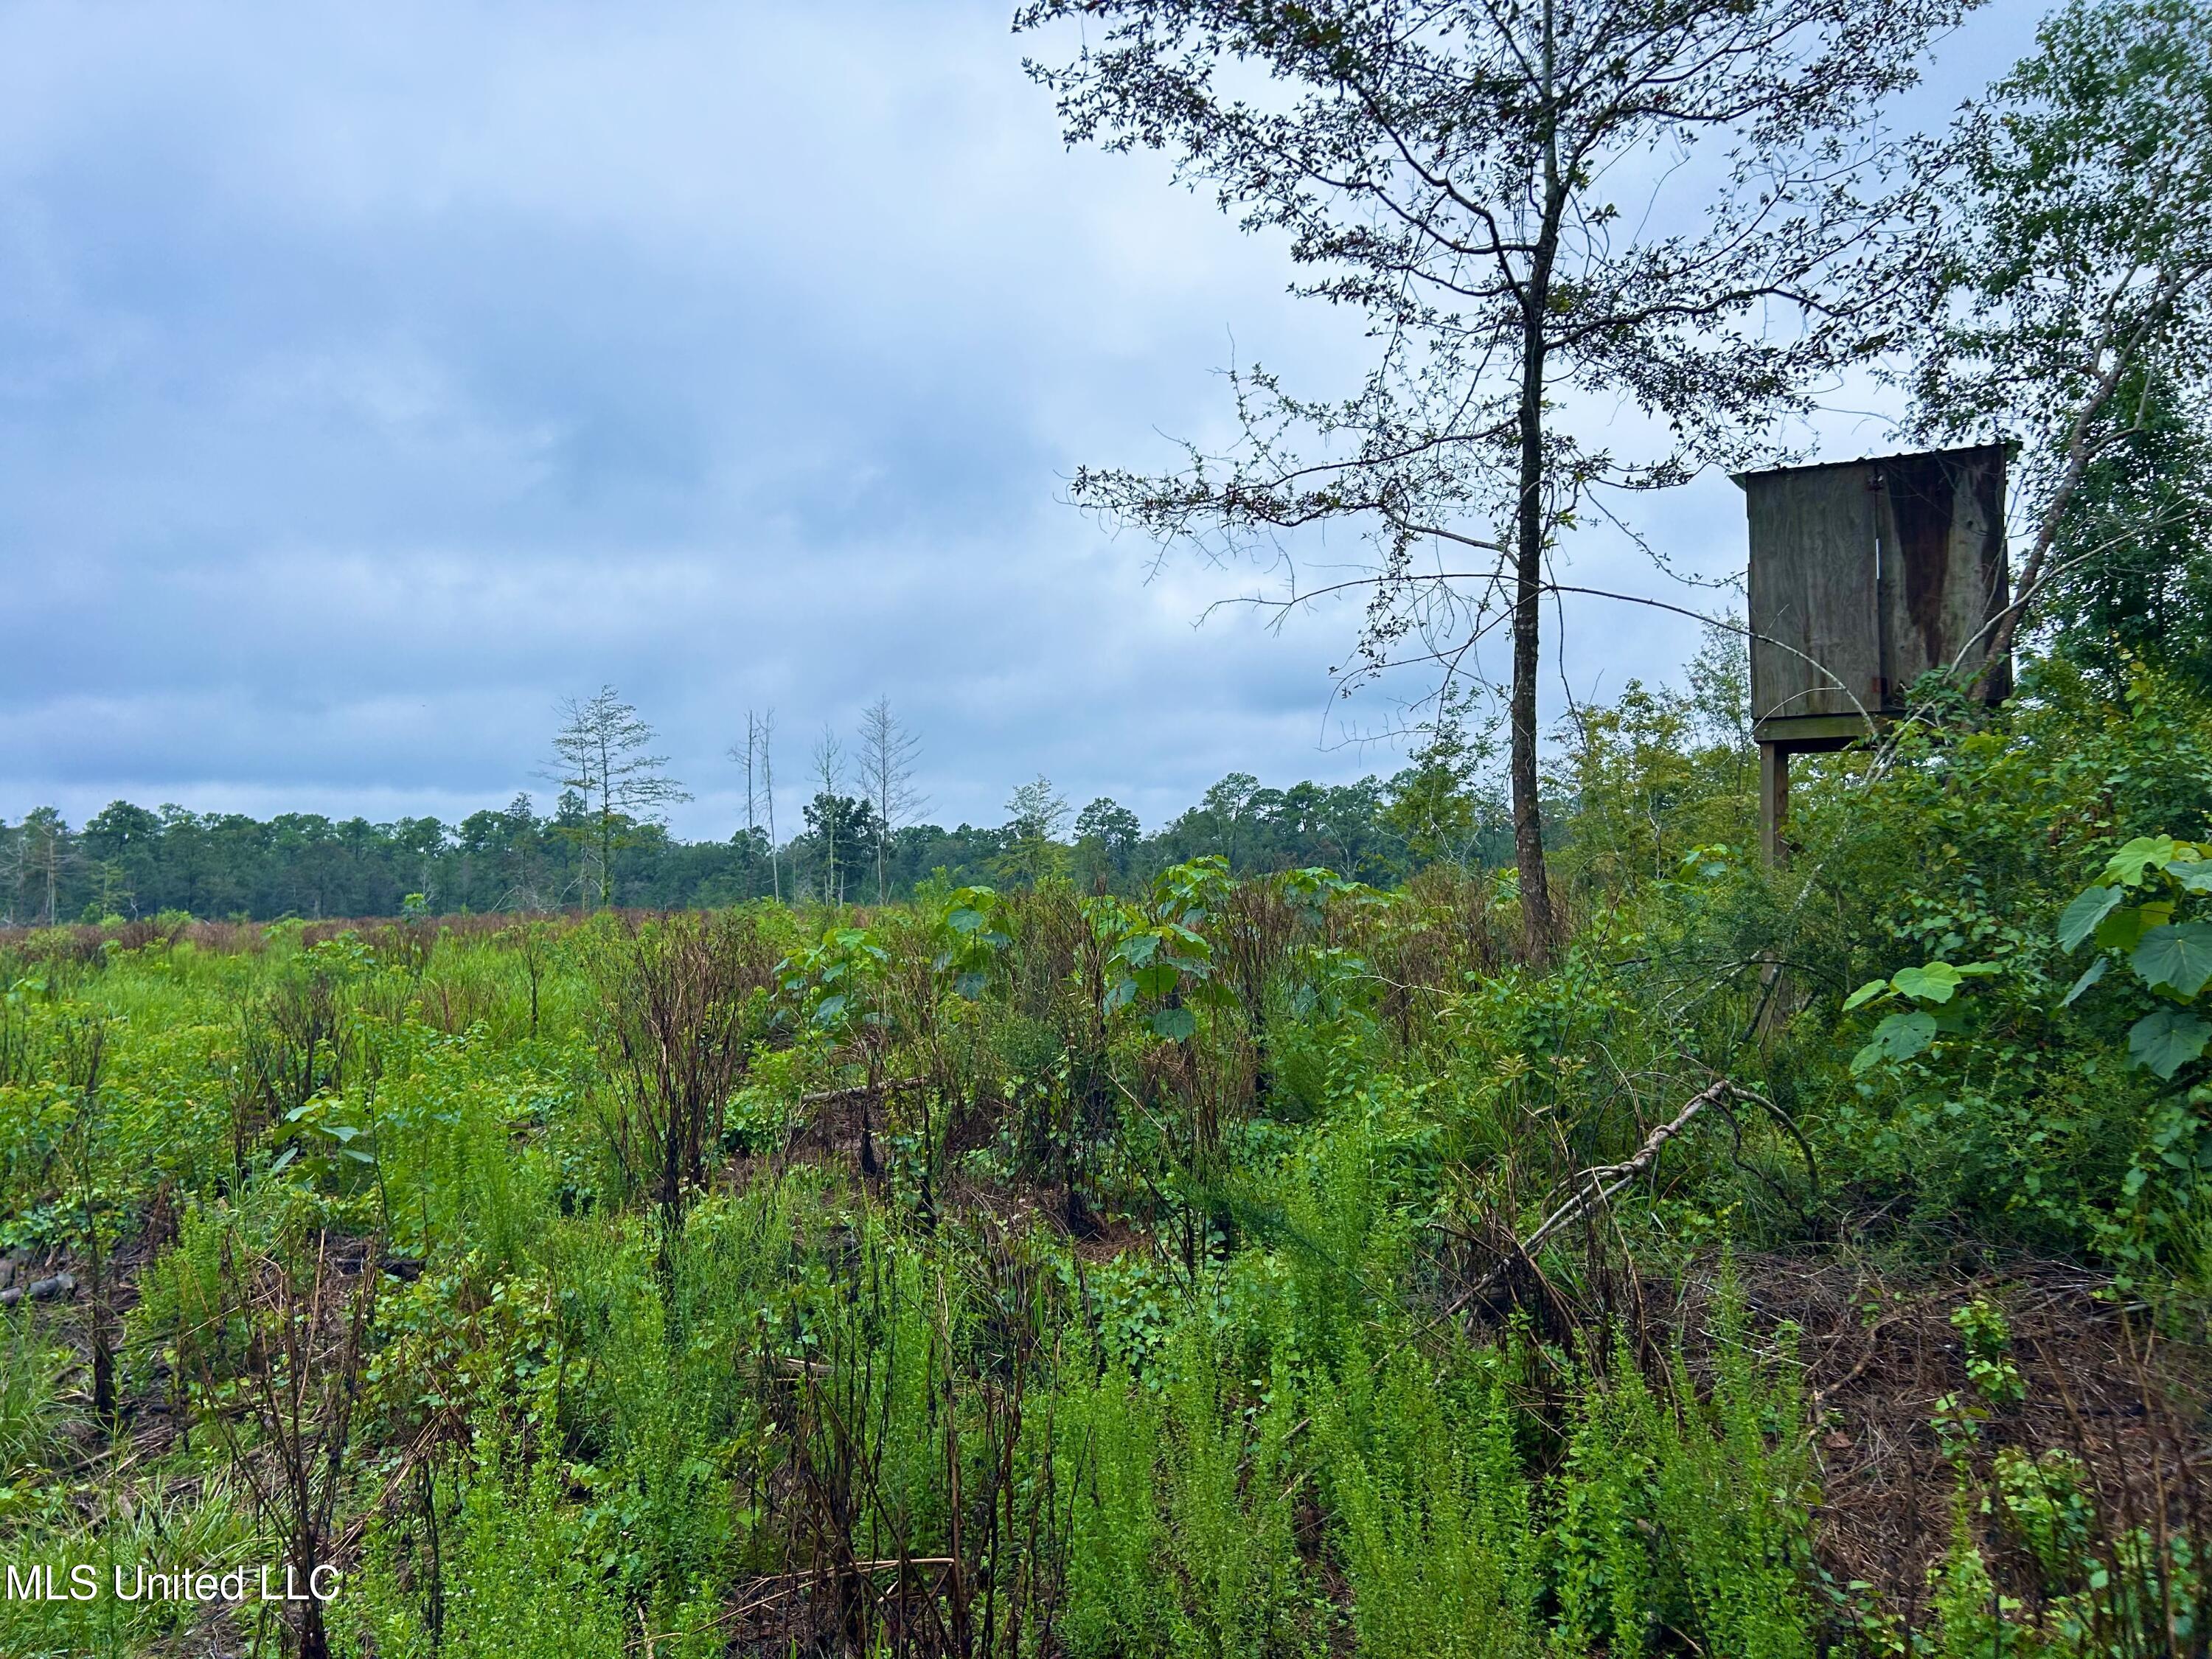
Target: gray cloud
<point>371,379</point>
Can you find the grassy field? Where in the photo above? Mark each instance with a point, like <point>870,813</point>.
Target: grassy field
<point>1262,1269</point>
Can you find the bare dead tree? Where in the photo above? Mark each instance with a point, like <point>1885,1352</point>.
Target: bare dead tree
<point>760,779</point>
<point>888,753</point>
<point>44,847</point>
<point>768,798</point>
<point>829,779</point>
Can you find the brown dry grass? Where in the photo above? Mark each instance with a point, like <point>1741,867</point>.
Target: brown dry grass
<point>2101,1385</point>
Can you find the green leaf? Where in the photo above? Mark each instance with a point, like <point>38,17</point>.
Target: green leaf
<point>1933,983</point>
<point>2178,958</point>
<point>2194,875</point>
<point>2081,918</point>
<point>2140,856</point>
<point>1174,1024</point>
<point>1866,993</point>
<point>1900,1036</point>
<point>2124,928</point>
<point>1138,948</point>
<point>1158,979</point>
<point>2090,976</point>
<point>2167,1040</point>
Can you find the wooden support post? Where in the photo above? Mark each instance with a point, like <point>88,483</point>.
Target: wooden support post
<point>1773,802</point>
<point>1773,818</point>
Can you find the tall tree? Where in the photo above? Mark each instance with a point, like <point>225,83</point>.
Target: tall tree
<point>601,753</point>
<point>844,834</point>
<point>2130,567</point>
<point>1036,814</point>
<point>125,841</point>
<point>760,790</point>
<point>2079,263</point>
<point>1437,808</point>
<point>1467,173</point>
<point>767,799</point>
<point>1108,832</point>
<point>888,753</point>
<point>829,781</point>
<point>45,850</point>
<point>12,880</point>
<point>1229,801</point>
<point>749,758</point>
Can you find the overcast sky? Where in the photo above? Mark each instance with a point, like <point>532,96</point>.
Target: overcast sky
<point>372,377</point>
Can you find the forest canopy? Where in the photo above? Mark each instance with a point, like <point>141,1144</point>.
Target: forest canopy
<point>129,861</point>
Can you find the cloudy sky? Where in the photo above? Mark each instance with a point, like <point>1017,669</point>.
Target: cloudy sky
<point>372,377</point>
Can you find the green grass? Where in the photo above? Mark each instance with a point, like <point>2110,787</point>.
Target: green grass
<point>1254,1407</point>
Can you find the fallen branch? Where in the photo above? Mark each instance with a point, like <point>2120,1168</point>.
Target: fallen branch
<point>1600,1185</point>
<point>802,1367</point>
<point>1596,1187</point>
<point>860,1091</point>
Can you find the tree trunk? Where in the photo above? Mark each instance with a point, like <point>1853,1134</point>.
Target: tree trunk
<point>1527,595</point>
<point>606,852</point>
<point>1538,938</point>
<point>2080,452</point>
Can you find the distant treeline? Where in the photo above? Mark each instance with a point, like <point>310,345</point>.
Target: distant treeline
<point>131,861</point>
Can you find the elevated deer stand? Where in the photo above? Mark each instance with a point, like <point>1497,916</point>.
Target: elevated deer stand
<point>1864,576</point>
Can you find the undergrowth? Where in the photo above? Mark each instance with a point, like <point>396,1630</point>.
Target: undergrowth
<point>1036,1271</point>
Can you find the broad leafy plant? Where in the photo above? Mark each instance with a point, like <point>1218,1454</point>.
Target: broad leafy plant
<point>1163,958</point>
<point>970,931</point>
<point>2133,914</point>
<point>830,982</point>
<point>1167,963</point>
<point>1928,1007</point>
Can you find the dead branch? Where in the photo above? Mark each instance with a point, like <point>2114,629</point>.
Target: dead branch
<point>1596,1187</point>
